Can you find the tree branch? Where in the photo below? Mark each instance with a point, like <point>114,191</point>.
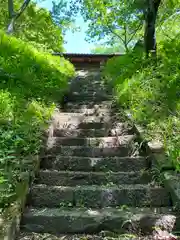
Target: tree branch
<point>14,16</point>
<point>117,35</point>
<point>134,33</point>
<point>125,37</point>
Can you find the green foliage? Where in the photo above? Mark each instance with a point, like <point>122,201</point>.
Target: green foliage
<point>113,22</point>
<point>169,28</point>
<point>108,49</point>
<point>35,26</point>
<point>31,83</point>
<point>151,92</point>
<point>167,9</point>
<point>63,14</point>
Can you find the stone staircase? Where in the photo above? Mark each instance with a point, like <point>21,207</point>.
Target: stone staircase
<point>94,181</point>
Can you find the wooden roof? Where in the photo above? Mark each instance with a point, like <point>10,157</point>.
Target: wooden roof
<point>86,57</point>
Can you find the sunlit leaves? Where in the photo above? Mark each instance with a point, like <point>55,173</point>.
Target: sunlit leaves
<point>112,22</point>
<point>34,80</point>
<point>152,93</point>
<point>62,14</point>
<point>35,25</point>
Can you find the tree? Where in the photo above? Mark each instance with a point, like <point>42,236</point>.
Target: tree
<point>168,21</point>
<point>107,49</point>
<point>13,15</point>
<point>112,21</point>
<point>62,14</point>
<point>121,21</point>
<point>151,11</point>
<point>35,26</point>
<point>38,28</point>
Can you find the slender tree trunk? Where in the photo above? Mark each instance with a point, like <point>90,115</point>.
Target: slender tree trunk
<point>150,26</point>
<point>125,39</point>
<point>10,8</point>
<point>15,15</point>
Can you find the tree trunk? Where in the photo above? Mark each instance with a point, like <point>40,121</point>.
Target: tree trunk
<point>15,15</point>
<point>10,8</point>
<point>150,26</point>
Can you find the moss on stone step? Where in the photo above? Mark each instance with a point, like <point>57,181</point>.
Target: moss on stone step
<point>99,196</point>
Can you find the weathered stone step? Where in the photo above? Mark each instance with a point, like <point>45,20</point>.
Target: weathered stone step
<point>96,112</point>
<point>79,120</point>
<point>81,125</point>
<point>92,100</point>
<point>81,82</point>
<point>101,236</point>
<point>101,132</point>
<point>105,235</point>
<point>88,105</point>
<point>88,97</point>
<point>66,221</point>
<point>89,89</point>
<point>59,162</point>
<point>99,196</point>
<point>90,115</point>
<point>124,150</point>
<point>56,142</point>
<point>69,178</point>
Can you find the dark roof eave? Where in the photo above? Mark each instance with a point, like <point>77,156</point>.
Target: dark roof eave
<point>89,55</point>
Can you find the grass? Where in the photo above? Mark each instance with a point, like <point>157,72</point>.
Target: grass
<point>150,91</point>
<point>31,84</point>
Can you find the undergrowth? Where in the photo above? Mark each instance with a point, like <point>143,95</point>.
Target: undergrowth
<point>150,91</point>
<point>31,83</point>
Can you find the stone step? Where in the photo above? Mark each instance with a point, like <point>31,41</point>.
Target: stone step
<point>70,178</point>
<point>65,132</point>
<point>56,142</point>
<point>104,235</point>
<point>92,221</point>
<point>99,196</point>
<point>91,105</point>
<point>106,164</point>
<point>80,120</point>
<point>101,132</point>
<point>87,83</point>
<point>94,111</point>
<point>81,125</point>
<point>69,123</point>
<point>79,97</point>
<point>124,150</point>
<point>90,114</point>
<point>93,100</point>
<point>80,106</point>
<point>79,133</point>
<point>88,89</point>
<point>82,82</point>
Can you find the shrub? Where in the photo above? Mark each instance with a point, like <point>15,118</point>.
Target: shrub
<point>151,92</point>
<point>32,82</point>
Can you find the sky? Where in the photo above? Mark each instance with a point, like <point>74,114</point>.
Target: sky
<point>75,41</point>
